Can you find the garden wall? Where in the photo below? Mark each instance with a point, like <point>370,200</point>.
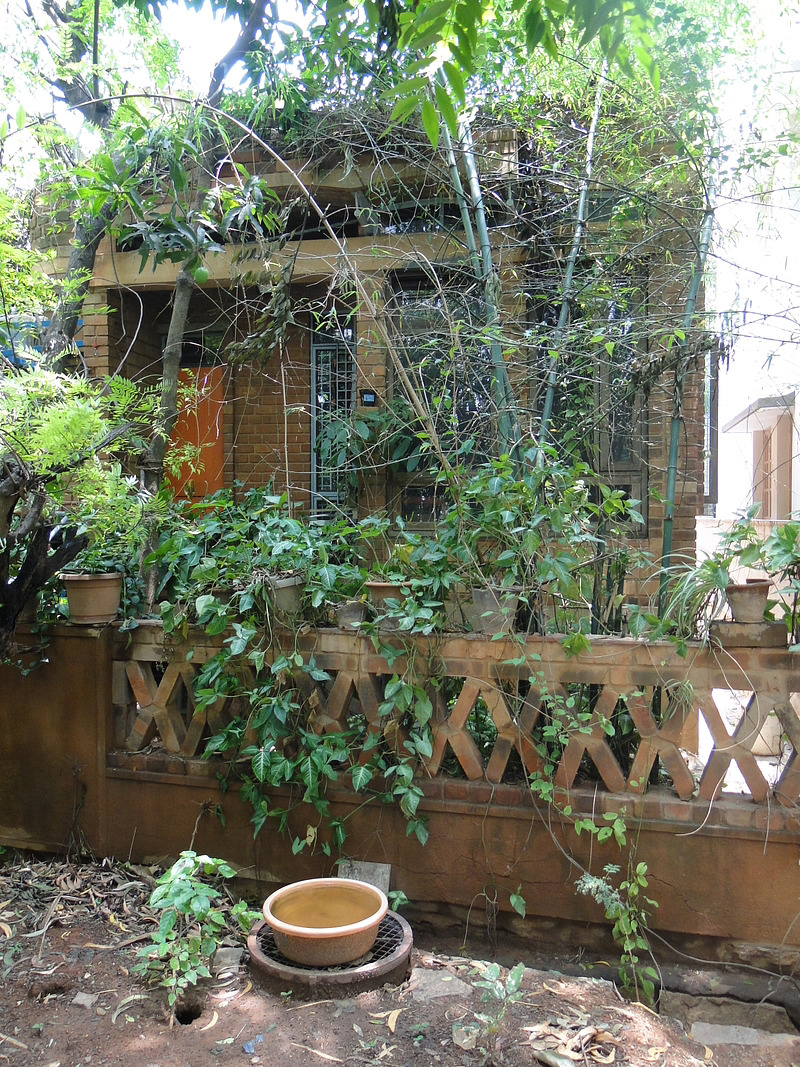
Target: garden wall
<point>722,865</point>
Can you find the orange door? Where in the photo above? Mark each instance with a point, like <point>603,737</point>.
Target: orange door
<point>200,424</point>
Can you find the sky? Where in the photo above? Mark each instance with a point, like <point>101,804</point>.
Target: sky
<point>204,39</point>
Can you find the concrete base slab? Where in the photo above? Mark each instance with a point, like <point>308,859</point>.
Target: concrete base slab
<point>428,985</point>
<point>724,1011</point>
<point>749,634</point>
<point>377,874</point>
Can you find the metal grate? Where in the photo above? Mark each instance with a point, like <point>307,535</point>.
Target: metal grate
<point>389,939</point>
<point>333,398</point>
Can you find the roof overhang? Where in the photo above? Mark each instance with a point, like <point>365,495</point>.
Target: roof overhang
<point>762,414</point>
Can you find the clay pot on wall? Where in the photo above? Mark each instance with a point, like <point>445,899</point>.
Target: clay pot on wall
<point>748,600</point>
<point>379,591</point>
<point>93,598</point>
<point>350,614</point>
<point>493,610</point>
<point>287,595</point>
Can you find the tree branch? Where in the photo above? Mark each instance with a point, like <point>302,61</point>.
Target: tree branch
<point>33,515</point>
<point>241,45</point>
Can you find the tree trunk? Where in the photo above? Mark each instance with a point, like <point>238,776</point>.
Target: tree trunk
<point>153,463</point>
<point>44,554</point>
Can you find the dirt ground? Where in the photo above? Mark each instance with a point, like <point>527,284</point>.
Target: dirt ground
<point>68,939</point>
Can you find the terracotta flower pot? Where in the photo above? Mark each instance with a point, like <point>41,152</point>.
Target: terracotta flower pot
<point>350,614</point>
<point>287,595</point>
<point>93,598</point>
<point>492,610</point>
<point>748,600</point>
<point>379,592</point>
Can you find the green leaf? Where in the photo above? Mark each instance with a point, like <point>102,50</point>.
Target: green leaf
<point>518,902</point>
<point>456,81</point>
<point>514,980</point>
<point>412,86</point>
<point>420,829</point>
<point>430,120</point>
<point>404,107</point>
<point>361,776</point>
<point>446,107</point>
<point>261,764</point>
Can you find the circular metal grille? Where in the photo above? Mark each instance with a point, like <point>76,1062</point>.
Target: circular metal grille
<point>387,942</point>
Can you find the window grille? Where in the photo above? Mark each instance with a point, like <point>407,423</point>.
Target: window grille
<point>333,398</point>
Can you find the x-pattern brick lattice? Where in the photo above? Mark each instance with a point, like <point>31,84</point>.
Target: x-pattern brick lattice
<point>520,685</point>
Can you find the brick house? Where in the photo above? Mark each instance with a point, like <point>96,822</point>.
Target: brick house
<point>393,224</point>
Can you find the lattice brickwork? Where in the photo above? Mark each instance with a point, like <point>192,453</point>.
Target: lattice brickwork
<point>521,686</point>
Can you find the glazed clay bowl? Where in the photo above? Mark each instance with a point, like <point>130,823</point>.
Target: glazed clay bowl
<point>325,922</point>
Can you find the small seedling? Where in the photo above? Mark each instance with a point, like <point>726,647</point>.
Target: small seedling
<point>498,995</point>
<point>418,1032</point>
<point>626,908</point>
<point>190,924</point>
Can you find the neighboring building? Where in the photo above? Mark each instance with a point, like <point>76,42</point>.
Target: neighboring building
<point>775,484</point>
<point>323,354</point>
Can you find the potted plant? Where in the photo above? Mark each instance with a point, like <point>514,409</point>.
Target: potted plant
<point>748,600</point>
<point>339,587</point>
<point>116,529</point>
<point>223,559</point>
<point>742,547</point>
<point>701,592</point>
<point>516,538</point>
<point>93,583</point>
<point>782,560</point>
<point>388,588</point>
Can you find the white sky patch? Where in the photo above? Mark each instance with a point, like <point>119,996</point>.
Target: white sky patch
<point>204,39</point>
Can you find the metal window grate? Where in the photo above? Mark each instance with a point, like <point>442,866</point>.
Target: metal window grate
<point>333,397</point>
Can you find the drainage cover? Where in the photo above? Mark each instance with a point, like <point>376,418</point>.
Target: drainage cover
<point>389,960</point>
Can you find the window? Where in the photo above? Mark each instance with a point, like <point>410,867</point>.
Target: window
<point>423,216</point>
<point>599,412</point>
<point>201,347</point>
<point>332,399</point>
<point>621,451</point>
<point>438,324</point>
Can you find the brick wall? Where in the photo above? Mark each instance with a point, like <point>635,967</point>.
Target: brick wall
<point>271,421</point>
<point>725,869</point>
<point>265,402</point>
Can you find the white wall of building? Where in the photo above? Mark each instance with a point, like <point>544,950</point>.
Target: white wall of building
<point>756,283</point>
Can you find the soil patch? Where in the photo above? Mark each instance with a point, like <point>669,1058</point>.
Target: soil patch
<point>68,940</point>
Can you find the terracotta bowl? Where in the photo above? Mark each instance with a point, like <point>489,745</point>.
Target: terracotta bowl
<point>325,922</point>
